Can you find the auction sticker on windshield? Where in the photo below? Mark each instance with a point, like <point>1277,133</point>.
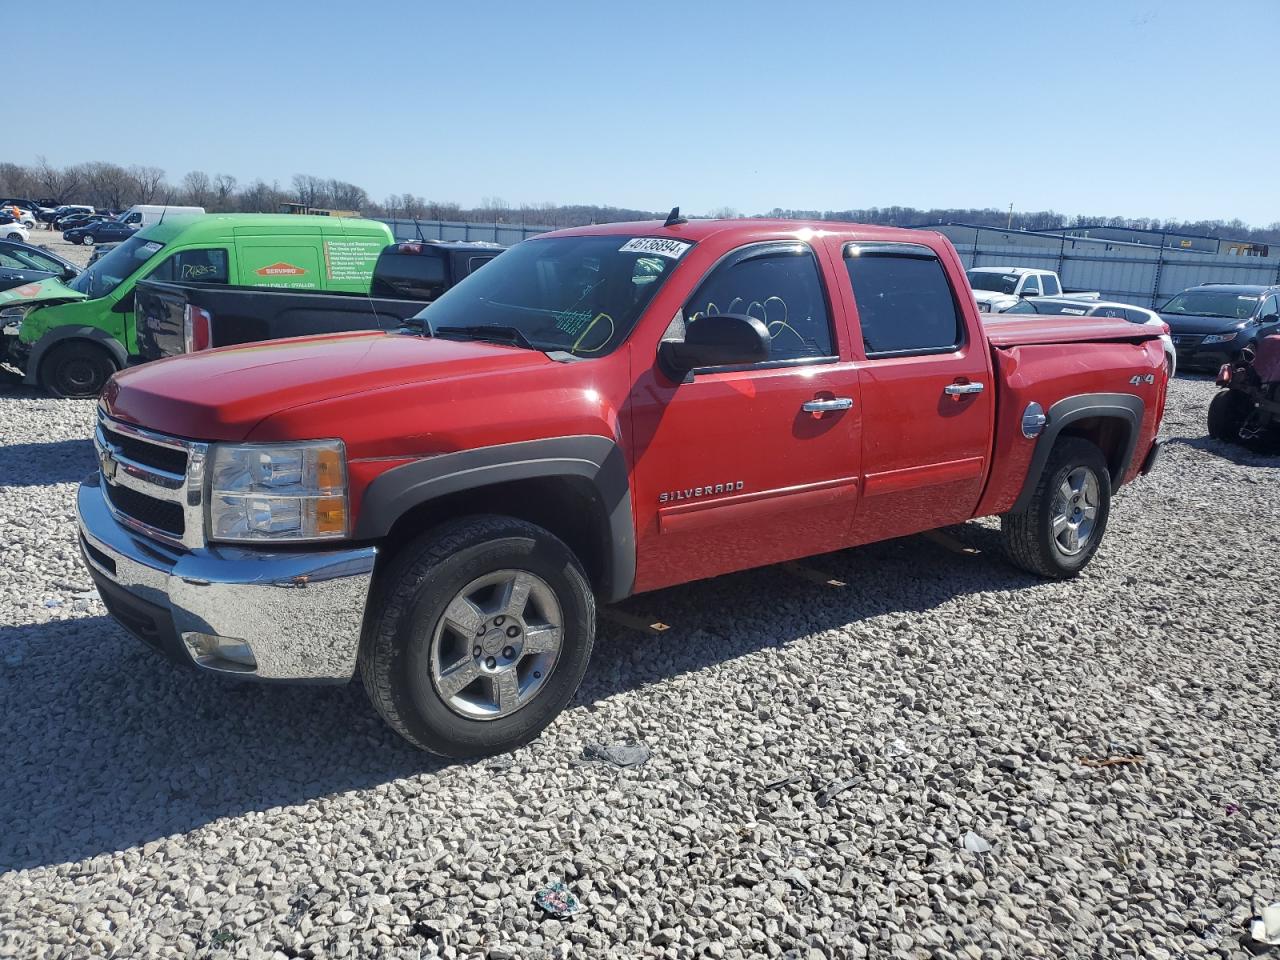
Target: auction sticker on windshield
<point>674,249</point>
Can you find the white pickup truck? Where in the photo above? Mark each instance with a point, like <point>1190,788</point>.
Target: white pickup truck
<point>998,288</point>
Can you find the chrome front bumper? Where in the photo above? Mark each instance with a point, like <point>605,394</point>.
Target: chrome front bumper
<point>279,615</point>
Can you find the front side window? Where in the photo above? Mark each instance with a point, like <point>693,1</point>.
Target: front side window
<point>1270,307</point>
<point>581,295</point>
<point>1032,287</point>
<point>105,275</point>
<point>905,304</point>
<point>779,285</point>
<point>193,266</point>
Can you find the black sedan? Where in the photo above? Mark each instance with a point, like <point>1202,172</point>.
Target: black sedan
<point>21,263</point>
<point>103,231</point>
<point>1212,323</point>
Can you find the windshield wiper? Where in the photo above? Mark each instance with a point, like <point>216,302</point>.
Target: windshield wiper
<point>494,333</point>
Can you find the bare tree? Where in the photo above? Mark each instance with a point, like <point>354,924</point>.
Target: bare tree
<point>57,184</point>
<point>224,186</point>
<point>261,197</point>
<point>110,185</point>
<point>150,182</point>
<point>309,190</point>
<point>197,189</point>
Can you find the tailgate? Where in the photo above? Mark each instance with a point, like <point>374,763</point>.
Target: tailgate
<point>158,310</point>
<point>1021,329</point>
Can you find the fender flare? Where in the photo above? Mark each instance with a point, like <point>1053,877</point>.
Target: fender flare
<point>31,372</point>
<point>597,459</point>
<point>1116,406</point>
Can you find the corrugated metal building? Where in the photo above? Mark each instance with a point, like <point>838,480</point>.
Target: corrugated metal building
<point>1129,272</point>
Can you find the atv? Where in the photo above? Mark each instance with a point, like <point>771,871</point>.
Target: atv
<point>1248,409</point>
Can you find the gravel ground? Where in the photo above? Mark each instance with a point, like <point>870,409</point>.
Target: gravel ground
<point>149,812</point>
<point>52,240</point>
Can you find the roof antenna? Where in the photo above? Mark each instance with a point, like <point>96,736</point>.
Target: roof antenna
<point>674,219</point>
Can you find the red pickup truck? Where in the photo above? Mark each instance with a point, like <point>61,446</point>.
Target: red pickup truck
<point>599,412</point>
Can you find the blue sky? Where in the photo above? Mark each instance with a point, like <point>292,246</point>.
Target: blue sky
<point>1163,108</point>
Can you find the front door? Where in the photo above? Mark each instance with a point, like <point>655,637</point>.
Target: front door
<point>927,388</point>
<point>740,467</point>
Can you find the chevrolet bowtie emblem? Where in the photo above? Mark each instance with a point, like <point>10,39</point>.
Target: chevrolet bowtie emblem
<point>108,463</point>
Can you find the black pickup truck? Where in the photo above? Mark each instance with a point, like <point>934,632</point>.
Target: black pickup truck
<point>174,318</point>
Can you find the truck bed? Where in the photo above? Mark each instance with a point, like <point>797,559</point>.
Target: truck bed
<point>252,314</point>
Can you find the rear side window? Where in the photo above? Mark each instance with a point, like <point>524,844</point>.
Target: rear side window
<point>779,285</point>
<point>905,304</point>
<point>475,263</point>
<point>193,266</point>
<point>411,276</point>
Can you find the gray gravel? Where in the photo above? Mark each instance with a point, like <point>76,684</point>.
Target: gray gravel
<point>940,705</point>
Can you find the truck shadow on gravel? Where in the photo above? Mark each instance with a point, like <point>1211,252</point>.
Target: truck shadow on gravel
<point>1262,454</point>
<point>109,746</point>
<point>42,464</point>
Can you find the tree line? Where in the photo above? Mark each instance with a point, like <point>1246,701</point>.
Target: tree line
<point>113,186</point>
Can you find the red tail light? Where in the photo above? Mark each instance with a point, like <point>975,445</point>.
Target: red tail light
<point>195,329</point>
<point>1224,375</point>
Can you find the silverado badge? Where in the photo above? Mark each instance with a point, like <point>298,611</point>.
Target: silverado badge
<point>707,490</point>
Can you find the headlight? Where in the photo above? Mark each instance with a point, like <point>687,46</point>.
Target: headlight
<point>1222,337</point>
<point>282,492</point>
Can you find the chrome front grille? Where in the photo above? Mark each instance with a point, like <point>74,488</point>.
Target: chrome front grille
<point>152,482</point>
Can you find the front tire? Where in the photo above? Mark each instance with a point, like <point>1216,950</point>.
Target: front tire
<point>1227,413</point>
<point>87,240</point>
<point>1058,534</point>
<point>76,370</point>
<point>479,634</point>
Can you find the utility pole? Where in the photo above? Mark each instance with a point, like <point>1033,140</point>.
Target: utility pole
<point>1009,225</point>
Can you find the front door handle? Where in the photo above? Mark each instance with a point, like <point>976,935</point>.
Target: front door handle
<point>962,389</point>
<point>825,406</point>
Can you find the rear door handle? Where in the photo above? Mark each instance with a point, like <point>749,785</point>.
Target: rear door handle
<point>825,406</point>
<point>962,389</point>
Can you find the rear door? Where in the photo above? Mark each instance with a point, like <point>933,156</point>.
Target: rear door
<point>287,261</point>
<point>927,392</point>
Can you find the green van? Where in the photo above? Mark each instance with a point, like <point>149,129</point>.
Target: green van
<point>69,338</point>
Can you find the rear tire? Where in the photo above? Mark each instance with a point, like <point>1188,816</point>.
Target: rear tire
<point>76,369</point>
<point>1059,532</point>
<point>453,660</point>
<point>1227,413</point>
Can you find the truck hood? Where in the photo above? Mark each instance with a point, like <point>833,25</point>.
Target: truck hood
<point>222,394</point>
<point>1018,329</point>
<point>48,291</point>
<point>1184,323</point>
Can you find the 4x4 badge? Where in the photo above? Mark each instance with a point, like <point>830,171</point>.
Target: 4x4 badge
<point>1139,380</point>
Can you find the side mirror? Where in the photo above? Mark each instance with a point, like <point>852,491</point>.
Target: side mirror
<point>715,341</point>
<point>70,274</point>
<point>1270,318</point>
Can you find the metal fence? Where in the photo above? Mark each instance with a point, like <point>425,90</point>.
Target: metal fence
<point>503,233</point>
<point>1129,272</point>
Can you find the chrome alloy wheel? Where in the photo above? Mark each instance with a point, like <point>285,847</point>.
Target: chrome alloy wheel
<point>496,644</point>
<point>1075,510</point>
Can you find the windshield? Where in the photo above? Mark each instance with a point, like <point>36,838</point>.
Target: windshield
<point>116,267</point>
<point>990,280</point>
<point>578,294</point>
<point>1213,303</point>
